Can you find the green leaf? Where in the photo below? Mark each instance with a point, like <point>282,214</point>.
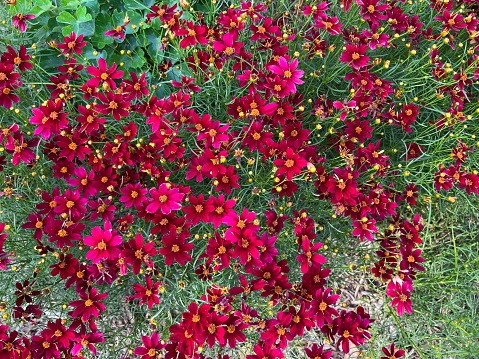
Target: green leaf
<point>138,59</point>
<point>87,28</point>
<point>135,19</point>
<point>67,30</point>
<point>40,7</point>
<point>69,4</point>
<point>138,4</point>
<point>66,18</point>
<point>102,25</point>
<point>82,15</point>
<point>44,4</point>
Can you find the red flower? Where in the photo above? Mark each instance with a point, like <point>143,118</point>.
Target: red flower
<point>175,248</point>
<point>117,33</point>
<point>278,329</point>
<point>195,320</point>
<point>223,209</point>
<point>66,267</point>
<point>87,340</point>
<point>265,351</point>
<point>114,104</point>
<point>194,33</point>
<point>88,119</point>
<point>392,352</point>
<point>287,72</point>
<point>290,164</point>
<point>226,181</point>
<point>133,194</point>
<point>71,203</point>
<point>364,228</point>
<point>215,331</point>
<point>20,59</point>
<point>214,134</point>
<point>371,11</point>
<point>137,253</point>
<point>151,347</point>
<point>354,55</point>
<point>103,75</point>
<point>49,119</point>
<point>147,294</point>
<point>20,21</point>
<point>316,352</point>
<point>57,331</point>
<point>136,87</point>
<point>165,199</point>
<point>73,43</point>
<point>342,186</point>
<point>20,148</point>
<point>89,305</point>
<point>308,256</point>
<point>411,258</point>
<point>73,146</point>
<point>228,45</point>
<point>104,243</point>
<point>400,292</point>
<point>330,24</point>
<point>320,307</point>
<point>219,247</point>
<point>469,181</point>
<point>199,209</point>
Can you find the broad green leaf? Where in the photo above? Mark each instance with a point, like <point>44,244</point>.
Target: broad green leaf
<point>117,18</point>
<point>102,25</point>
<point>66,18</point>
<point>44,4</point>
<point>138,59</point>
<point>69,4</point>
<point>67,30</point>
<point>40,7</point>
<point>138,4</point>
<point>87,28</point>
<point>135,19</point>
<point>82,15</point>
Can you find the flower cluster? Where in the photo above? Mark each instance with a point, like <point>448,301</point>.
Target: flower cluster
<point>143,173</point>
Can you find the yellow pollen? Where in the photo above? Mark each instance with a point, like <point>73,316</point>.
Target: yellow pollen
<point>175,248</point>
<point>212,328</point>
<point>287,74</point>
<point>88,303</point>
<point>102,245</point>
